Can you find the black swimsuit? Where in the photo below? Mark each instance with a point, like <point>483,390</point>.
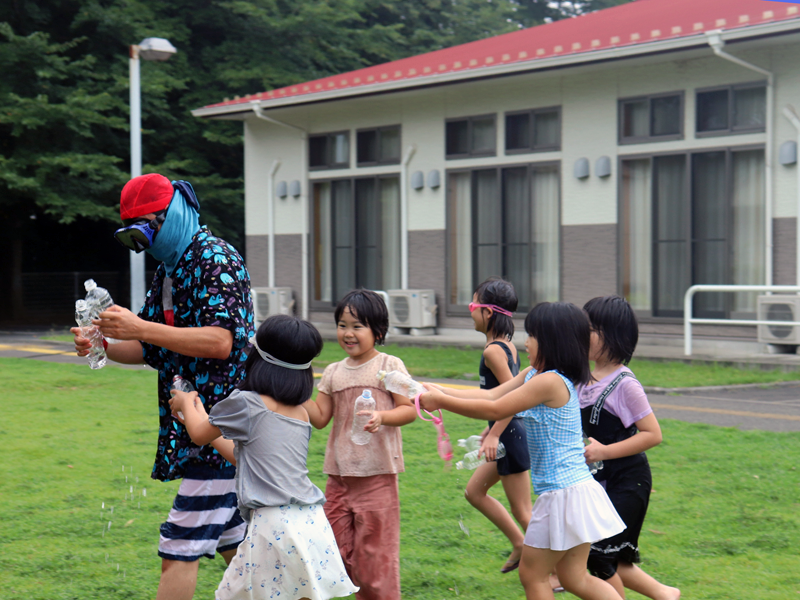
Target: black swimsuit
<point>514,437</point>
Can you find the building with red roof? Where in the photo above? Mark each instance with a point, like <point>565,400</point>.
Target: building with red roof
<point>636,150</point>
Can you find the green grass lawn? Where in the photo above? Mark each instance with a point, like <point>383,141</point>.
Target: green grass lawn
<point>724,520</point>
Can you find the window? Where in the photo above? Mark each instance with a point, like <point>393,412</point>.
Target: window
<point>329,151</point>
<point>505,222</point>
<point>355,233</point>
<point>471,136</point>
<point>733,109</point>
<point>651,118</point>
<point>692,219</point>
<point>533,130</point>
<point>379,146</point>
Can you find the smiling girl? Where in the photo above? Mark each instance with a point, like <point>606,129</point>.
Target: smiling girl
<point>363,504</point>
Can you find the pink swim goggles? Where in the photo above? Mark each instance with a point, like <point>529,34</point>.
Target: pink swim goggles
<point>473,306</point>
<point>443,445</point>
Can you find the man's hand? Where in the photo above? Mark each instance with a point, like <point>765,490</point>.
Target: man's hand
<point>82,345</point>
<point>120,324</point>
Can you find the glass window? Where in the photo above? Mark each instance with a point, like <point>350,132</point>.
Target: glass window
<point>533,130</point>
<point>650,119</point>
<point>547,129</point>
<point>665,116</point>
<point>634,119</point>
<point>739,108</point>
<point>749,108</point>
<point>472,136</point>
<point>329,151</point>
<point>367,146</point>
<point>389,145</point>
<point>712,111</point>
<point>518,131</point>
<point>505,222</point>
<point>379,146</point>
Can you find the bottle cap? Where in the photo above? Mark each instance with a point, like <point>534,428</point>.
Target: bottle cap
<point>89,284</point>
<point>80,305</point>
<point>381,375</point>
<point>366,394</point>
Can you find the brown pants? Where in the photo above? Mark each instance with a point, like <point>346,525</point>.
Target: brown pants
<point>364,513</point>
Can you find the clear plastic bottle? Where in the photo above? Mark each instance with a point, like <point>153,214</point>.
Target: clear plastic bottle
<point>83,317</point>
<point>99,300</point>
<point>181,385</point>
<point>398,382</point>
<point>472,461</point>
<point>364,403</point>
<point>595,466</point>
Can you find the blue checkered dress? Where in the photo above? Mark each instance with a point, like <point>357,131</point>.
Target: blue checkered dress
<point>555,443</point>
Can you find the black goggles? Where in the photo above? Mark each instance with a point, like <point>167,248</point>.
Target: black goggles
<point>140,234</point>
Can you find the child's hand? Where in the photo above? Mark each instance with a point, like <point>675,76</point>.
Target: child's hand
<point>594,451</point>
<point>181,401</point>
<point>489,447</point>
<point>374,423</point>
<point>433,386</point>
<point>430,400</point>
<point>484,433</point>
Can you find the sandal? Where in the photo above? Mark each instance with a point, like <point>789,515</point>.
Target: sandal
<point>508,567</point>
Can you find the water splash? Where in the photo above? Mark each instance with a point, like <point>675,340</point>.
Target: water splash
<point>464,528</point>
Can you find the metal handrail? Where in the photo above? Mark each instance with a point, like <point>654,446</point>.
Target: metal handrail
<point>688,320</point>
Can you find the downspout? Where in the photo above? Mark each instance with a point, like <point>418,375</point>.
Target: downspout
<point>259,112</point>
<point>717,43</point>
<point>790,114</point>
<point>404,217</point>
<point>271,230</point>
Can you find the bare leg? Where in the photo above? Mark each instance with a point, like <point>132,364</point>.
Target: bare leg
<point>484,477</point>
<point>518,491</point>
<point>534,572</point>
<point>576,579</point>
<point>228,555</point>
<point>616,583</point>
<point>635,579</point>
<point>178,580</point>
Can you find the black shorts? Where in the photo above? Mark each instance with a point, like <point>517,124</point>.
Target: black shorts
<point>630,498</point>
<point>515,441</point>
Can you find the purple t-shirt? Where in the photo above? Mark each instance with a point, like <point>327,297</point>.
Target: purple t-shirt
<point>628,401</point>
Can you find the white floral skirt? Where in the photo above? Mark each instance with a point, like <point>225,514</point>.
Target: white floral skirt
<point>572,516</point>
<point>289,552</point>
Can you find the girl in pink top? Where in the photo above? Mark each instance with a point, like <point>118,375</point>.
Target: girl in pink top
<point>363,504</point>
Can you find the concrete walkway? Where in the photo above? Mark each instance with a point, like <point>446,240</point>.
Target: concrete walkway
<point>771,408</point>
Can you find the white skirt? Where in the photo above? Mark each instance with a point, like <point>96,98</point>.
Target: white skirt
<point>289,552</point>
<point>576,515</point>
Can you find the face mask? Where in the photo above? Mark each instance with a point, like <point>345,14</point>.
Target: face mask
<point>175,235</point>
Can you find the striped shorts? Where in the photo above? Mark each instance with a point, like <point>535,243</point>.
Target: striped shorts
<point>204,519</point>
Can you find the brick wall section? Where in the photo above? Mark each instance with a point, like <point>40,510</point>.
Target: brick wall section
<point>784,251</point>
<point>588,262</point>
<point>288,263</point>
<point>426,266</point>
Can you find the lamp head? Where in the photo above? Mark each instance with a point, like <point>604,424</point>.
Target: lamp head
<point>156,49</point>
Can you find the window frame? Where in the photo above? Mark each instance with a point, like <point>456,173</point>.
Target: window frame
<point>533,148</point>
<point>462,310</point>
<point>470,154</point>
<point>323,305</point>
<point>330,135</point>
<point>649,316</point>
<point>731,89</point>
<point>378,130</point>
<point>649,138</point>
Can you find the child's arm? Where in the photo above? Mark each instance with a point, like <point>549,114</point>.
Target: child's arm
<point>497,361</point>
<point>546,388</point>
<point>648,437</point>
<point>501,390</point>
<point>225,448</point>
<point>321,411</point>
<point>403,413</point>
<point>195,418</point>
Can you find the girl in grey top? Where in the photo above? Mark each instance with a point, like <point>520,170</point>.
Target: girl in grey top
<point>262,428</point>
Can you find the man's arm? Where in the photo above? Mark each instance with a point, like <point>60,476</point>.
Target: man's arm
<point>127,353</point>
<point>201,342</point>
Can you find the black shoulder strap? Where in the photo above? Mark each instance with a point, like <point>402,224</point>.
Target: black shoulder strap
<point>594,419</point>
<point>506,349</point>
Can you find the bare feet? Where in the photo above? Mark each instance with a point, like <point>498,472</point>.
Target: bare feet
<point>555,584</point>
<point>671,593</point>
<point>513,560</point>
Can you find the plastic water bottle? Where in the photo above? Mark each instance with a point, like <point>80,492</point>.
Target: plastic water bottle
<point>364,403</point>
<point>99,300</point>
<point>83,317</point>
<point>398,382</point>
<point>181,385</point>
<point>473,442</point>
<point>472,461</point>
<point>595,466</point>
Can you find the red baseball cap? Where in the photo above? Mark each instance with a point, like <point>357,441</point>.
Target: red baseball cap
<point>144,195</point>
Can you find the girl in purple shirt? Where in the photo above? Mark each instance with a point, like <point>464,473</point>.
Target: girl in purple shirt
<point>620,425</point>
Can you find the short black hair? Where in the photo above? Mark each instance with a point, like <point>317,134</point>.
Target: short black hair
<point>369,308</point>
<point>615,322</point>
<point>501,293</point>
<point>291,340</point>
<point>562,332</point>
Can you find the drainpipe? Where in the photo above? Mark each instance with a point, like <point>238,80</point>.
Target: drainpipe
<point>717,43</point>
<point>404,217</point>
<point>790,114</point>
<point>271,212</point>
<point>259,112</point>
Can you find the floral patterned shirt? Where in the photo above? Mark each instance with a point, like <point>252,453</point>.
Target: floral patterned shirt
<point>210,288</point>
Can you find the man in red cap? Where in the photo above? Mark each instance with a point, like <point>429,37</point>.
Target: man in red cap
<point>196,322</point>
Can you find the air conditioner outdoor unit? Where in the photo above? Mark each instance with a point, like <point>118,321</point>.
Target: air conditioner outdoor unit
<point>779,308</point>
<point>414,310</point>
<point>271,301</point>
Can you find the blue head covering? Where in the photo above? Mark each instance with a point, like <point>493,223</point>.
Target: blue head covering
<point>176,233</point>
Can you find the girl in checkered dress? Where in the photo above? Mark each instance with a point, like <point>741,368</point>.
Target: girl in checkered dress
<point>572,510</point>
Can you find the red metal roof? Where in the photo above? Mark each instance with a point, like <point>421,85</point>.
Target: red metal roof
<point>631,24</point>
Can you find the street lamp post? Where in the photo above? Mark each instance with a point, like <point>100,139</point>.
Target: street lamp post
<point>148,49</point>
